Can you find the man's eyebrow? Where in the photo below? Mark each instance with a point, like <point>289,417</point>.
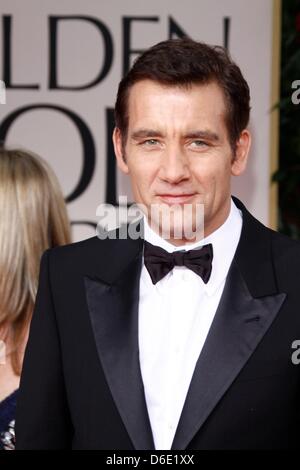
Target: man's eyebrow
<point>145,133</point>
<point>197,134</point>
<point>205,134</point>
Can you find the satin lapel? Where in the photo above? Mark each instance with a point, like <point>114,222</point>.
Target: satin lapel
<point>114,316</point>
<point>239,324</point>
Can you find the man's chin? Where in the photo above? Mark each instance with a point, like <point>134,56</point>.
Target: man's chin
<point>187,232</point>
<point>177,221</point>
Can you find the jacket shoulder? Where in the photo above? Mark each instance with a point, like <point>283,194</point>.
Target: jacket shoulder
<point>103,258</point>
<point>286,261</point>
<point>284,245</point>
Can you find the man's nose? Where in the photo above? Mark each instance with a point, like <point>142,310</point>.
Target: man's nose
<point>174,165</point>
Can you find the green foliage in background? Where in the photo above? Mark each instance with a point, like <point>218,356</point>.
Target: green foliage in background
<point>288,174</point>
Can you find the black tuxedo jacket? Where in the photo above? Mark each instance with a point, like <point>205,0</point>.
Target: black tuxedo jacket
<point>81,385</point>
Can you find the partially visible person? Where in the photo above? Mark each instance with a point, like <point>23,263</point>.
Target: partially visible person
<point>33,217</point>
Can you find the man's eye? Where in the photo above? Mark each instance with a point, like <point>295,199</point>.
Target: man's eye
<point>199,143</point>
<point>150,142</point>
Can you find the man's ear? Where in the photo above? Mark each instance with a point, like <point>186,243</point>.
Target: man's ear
<point>119,150</point>
<point>239,162</point>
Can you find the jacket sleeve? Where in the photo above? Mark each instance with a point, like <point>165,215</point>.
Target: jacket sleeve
<point>42,417</point>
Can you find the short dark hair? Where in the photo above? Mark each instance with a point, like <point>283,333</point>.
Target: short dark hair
<point>183,62</point>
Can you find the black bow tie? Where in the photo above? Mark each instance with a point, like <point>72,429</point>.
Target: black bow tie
<point>159,262</point>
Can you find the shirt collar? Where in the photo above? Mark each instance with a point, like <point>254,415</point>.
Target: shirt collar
<point>224,240</point>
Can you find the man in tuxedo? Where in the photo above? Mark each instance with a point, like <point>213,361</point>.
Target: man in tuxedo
<point>170,342</point>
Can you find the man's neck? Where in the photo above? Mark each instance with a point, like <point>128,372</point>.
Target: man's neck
<point>209,228</point>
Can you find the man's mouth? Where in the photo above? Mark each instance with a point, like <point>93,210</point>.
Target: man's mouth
<point>180,198</point>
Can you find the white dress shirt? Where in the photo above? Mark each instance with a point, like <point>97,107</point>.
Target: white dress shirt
<point>175,316</point>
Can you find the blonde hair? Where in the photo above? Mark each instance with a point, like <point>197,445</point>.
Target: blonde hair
<point>33,217</point>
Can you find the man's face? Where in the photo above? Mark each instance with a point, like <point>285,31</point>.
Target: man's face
<point>177,151</point>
